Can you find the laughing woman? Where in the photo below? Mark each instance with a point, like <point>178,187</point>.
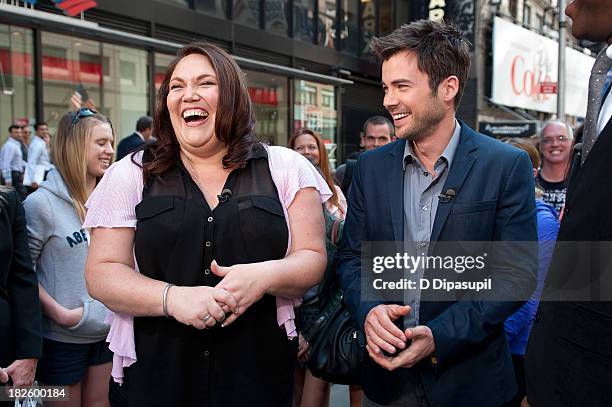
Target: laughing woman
<point>226,233</point>
<point>75,353</point>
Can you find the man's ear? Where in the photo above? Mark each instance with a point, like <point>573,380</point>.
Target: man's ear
<point>449,88</point>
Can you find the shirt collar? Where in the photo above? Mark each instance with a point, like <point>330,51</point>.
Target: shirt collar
<point>448,154</point>
<point>140,135</point>
<point>609,51</point>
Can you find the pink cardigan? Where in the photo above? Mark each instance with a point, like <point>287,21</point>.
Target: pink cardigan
<point>123,183</point>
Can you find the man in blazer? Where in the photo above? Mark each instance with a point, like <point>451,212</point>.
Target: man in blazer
<point>142,135</point>
<point>569,354</point>
<point>440,181</point>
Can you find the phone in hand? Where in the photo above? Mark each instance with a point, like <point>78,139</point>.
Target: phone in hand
<point>80,89</point>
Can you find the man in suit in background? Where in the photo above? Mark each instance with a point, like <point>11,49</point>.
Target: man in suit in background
<point>569,355</point>
<point>440,181</point>
<point>142,135</point>
<point>12,163</point>
<point>377,131</point>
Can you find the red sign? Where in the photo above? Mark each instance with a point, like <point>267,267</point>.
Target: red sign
<point>548,88</point>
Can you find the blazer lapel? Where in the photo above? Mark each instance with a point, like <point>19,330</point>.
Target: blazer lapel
<point>395,183</point>
<point>462,163</point>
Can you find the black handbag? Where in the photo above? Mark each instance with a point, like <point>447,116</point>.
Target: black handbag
<point>337,344</point>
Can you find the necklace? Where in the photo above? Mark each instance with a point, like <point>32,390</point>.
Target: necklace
<point>194,174</point>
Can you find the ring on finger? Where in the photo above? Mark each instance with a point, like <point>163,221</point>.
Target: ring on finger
<point>206,317</point>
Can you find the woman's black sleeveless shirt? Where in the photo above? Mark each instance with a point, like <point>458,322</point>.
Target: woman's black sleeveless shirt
<point>251,361</point>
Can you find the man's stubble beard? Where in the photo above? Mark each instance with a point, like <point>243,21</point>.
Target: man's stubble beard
<point>425,124</point>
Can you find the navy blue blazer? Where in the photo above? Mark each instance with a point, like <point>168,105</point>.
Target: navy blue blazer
<point>128,144</point>
<point>494,201</point>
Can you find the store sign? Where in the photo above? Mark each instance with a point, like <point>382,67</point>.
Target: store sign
<point>523,61</point>
<point>508,129</point>
<point>459,12</point>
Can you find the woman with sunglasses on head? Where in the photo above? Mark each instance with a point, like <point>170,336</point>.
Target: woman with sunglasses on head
<point>209,240</point>
<point>75,352</point>
<point>309,144</point>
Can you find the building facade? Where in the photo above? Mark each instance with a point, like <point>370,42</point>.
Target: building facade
<point>307,62</point>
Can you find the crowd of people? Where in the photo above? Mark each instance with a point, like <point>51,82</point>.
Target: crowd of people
<point>186,272</point>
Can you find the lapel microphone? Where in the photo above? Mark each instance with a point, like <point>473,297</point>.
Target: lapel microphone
<point>447,196</point>
<point>225,195</point>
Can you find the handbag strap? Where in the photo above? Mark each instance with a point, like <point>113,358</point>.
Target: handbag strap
<point>335,232</point>
<point>331,308</point>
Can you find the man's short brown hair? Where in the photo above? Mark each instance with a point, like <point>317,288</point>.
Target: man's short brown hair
<point>441,49</point>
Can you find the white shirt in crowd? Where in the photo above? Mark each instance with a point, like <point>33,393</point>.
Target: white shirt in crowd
<point>38,155</point>
<point>11,158</point>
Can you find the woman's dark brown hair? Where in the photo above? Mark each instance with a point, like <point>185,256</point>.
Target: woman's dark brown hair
<point>323,160</point>
<point>235,117</point>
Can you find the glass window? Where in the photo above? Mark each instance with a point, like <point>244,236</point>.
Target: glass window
<point>161,65</point>
<point>539,21</point>
<point>214,7</point>
<point>269,94</point>
<point>247,12</point>
<point>349,33</point>
<point>526,15</point>
<point>277,16</point>
<point>368,24</point>
<point>315,108</point>
<point>386,17</point>
<point>114,77</point>
<point>303,20</point>
<point>327,23</point>
<point>16,78</point>
<point>184,3</point>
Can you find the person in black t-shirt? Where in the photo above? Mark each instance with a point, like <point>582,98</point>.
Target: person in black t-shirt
<point>555,147</point>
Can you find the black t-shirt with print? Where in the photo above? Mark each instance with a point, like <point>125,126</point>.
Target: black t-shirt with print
<point>554,192</point>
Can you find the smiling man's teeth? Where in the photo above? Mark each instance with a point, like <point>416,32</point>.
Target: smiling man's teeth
<point>195,112</point>
<point>399,116</point>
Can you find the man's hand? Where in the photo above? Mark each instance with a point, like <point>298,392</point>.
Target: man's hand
<point>422,346</point>
<point>381,332</point>
<point>21,371</point>
<point>3,375</point>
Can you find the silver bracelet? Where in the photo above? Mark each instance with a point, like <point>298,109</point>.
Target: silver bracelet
<point>165,299</point>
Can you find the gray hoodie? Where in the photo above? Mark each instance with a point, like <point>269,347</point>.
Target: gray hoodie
<point>59,247</point>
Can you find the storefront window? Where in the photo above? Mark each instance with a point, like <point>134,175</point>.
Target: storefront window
<point>215,7</point>
<point>270,100</point>
<point>349,35</point>
<point>315,108</point>
<point>247,12</point>
<point>303,20</point>
<point>16,78</point>
<point>368,24</point>
<point>161,65</point>
<point>386,17</point>
<point>276,16</point>
<point>327,23</point>
<point>114,79</point>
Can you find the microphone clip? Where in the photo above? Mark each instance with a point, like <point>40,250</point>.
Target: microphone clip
<point>224,196</point>
<point>447,196</point>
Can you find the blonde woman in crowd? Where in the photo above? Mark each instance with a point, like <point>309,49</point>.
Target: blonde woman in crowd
<point>75,352</point>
